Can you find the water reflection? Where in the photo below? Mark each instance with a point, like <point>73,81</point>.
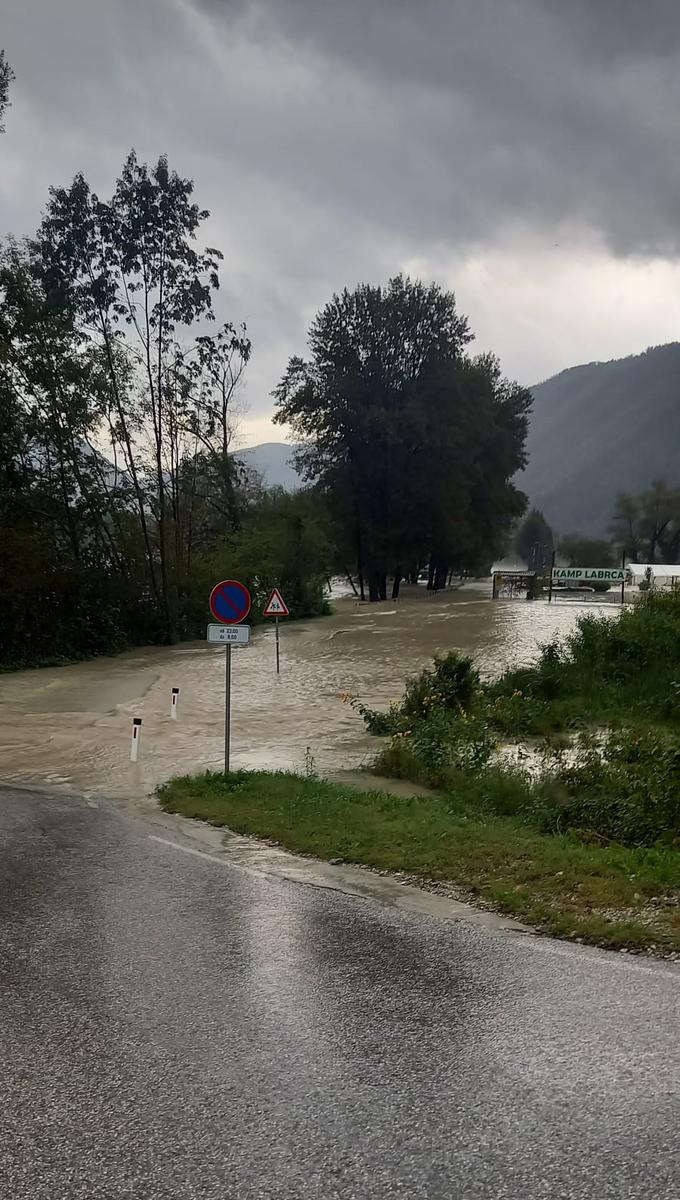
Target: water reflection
<point>70,726</point>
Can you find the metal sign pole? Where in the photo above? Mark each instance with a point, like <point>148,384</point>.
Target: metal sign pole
<point>227,708</point>
<point>623,581</point>
<point>278,661</point>
<point>550,584</point>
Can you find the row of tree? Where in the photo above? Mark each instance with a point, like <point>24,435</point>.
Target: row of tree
<point>120,502</point>
<point>120,499</point>
<point>645,526</point>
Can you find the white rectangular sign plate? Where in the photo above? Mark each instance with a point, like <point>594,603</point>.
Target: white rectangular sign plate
<point>229,635</point>
<point>588,574</point>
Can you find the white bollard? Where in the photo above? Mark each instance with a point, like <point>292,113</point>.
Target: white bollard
<point>136,735</point>
<point>173,704</point>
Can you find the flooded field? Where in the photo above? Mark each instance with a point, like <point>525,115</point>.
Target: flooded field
<point>69,727</point>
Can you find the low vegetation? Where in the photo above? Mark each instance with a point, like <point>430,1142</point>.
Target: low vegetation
<point>609,895</point>
<point>581,838</point>
<point>624,670</point>
<point>620,675</point>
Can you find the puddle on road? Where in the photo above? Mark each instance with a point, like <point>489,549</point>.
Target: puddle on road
<point>70,726</point>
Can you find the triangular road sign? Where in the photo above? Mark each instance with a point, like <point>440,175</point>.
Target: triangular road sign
<point>275,606</point>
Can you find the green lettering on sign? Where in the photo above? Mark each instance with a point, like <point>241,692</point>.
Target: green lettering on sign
<point>584,574</point>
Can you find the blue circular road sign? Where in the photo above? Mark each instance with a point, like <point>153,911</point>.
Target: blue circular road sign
<point>230,602</point>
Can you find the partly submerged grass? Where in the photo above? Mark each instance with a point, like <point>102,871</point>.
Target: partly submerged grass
<point>608,671</point>
<point>605,894</point>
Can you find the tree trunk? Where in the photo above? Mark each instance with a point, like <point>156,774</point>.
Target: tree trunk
<point>395,585</point>
<point>382,585</point>
<point>440,576</point>
<point>437,573</point>
<point>129,455</point>
<point>360,557</point>
<point>352,583</point>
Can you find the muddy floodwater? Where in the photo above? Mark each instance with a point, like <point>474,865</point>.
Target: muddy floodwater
<point>69,727</point>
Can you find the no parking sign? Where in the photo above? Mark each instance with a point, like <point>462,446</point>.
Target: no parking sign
<point>229,604</point>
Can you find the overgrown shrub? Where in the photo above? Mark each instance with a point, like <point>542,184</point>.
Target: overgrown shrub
<point>449,686</point>
<point>625,788</point>
<point>437,748</point>
<point>609,667</point>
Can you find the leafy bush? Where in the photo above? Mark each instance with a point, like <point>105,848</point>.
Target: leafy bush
<point>518,714</point>
<point>609,667</point>
<point>624,788</point>
<point>450,685</point>
<point>438,748</point>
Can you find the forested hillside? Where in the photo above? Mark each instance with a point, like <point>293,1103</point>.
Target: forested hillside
<point>599,429</point>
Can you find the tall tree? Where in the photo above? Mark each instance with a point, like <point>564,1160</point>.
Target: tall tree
<point>107,539</point>
<point>6,77</point>
<point>46,376</point>
<point>534,541</point>
<point>481,424</point>
<point>581,551</point>
<point>142,293</point>
<point>396,429</point>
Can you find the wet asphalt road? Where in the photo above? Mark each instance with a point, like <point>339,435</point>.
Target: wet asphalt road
<point>173,1027</point>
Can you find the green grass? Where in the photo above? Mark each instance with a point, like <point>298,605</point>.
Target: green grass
<point>608,895</point>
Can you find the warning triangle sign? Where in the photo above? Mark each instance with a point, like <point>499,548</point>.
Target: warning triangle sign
<point>275,606</point>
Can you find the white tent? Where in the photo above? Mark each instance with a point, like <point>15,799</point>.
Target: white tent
<point>662,573</point>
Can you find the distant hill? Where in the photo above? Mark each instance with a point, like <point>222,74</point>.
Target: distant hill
<point>600,429</point>
<point>272,460</point>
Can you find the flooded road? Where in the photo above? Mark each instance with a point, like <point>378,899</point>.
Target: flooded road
<point>69,727</point>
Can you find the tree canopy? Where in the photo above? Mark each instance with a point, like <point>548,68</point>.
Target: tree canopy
<point>119,493</point>
<point>581,551</point>
<point>647,525</point>
<point>412,443</point>
<point>6,77</point>
<point>534,541</point>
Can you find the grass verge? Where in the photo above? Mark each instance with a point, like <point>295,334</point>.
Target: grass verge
<point>607,895</point>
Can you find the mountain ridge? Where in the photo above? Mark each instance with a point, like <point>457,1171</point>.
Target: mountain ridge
<point>601,428</point>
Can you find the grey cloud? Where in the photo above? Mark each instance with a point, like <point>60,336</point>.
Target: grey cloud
<point>465,115</point>
<point>334,140</point>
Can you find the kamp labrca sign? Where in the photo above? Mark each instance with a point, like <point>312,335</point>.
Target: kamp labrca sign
<point>588,574</point>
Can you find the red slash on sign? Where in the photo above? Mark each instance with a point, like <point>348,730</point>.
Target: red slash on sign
<point>230,602</point>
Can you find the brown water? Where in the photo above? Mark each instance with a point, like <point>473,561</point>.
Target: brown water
<point>69,727</point>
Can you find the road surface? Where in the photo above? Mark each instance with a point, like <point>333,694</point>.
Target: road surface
<point>173,1026</point>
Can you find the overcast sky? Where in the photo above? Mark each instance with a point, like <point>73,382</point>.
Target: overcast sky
<point>525,153</point>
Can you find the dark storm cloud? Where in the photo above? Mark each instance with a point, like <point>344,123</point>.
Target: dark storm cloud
<point>492,144</point>
<point>467,114</point>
